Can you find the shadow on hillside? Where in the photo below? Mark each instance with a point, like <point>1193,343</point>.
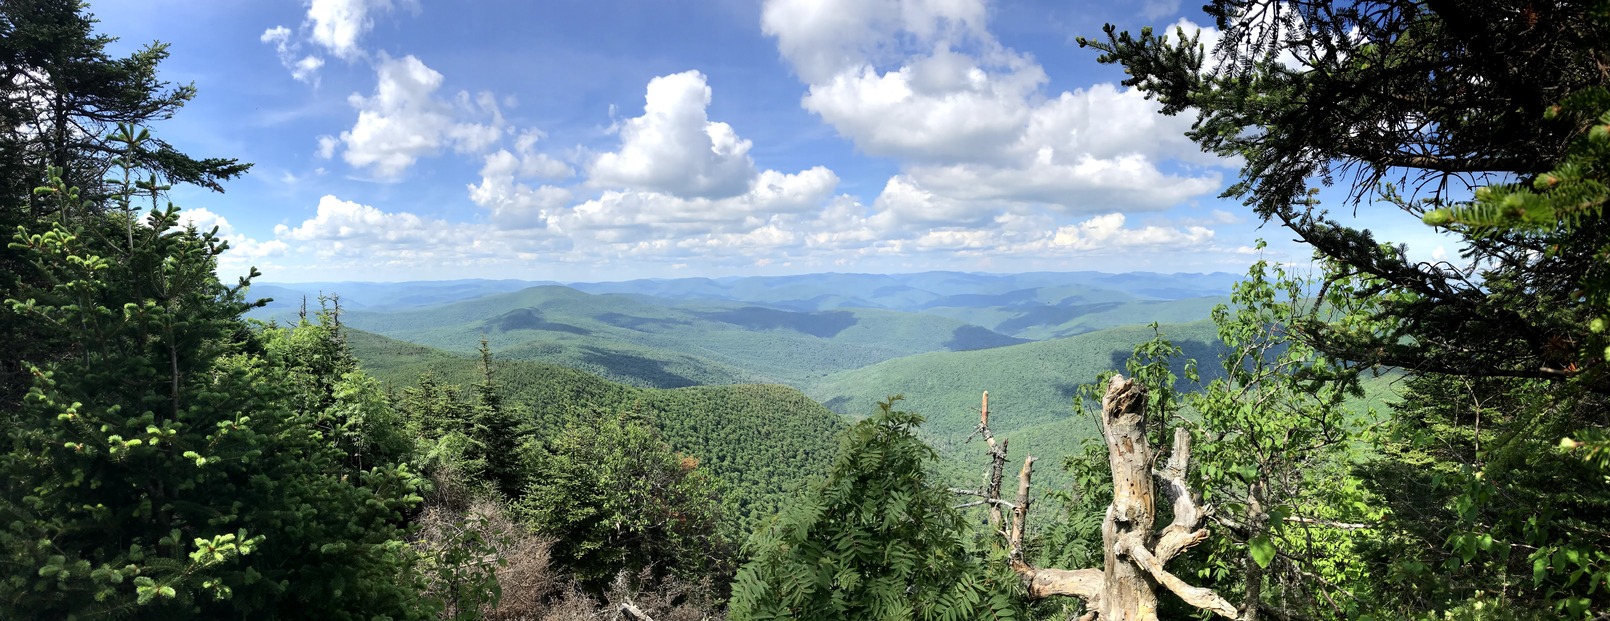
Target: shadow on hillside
<point>531,319</point>
<point>640,324</point>
<point>819,324</point>
<point>640,370</point>
<point>968,338</point>
<point>841,406</point>
<point>1039,315</point>
<point>1068,390</point>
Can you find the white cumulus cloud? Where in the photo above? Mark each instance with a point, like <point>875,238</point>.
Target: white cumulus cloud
<point>515,204</point>
<point>970,121</point>
<point>638,214</point>
<point>335,26</point>
<point>338,25</point>
<point>1107,232</point>
<point>404,120</point>
<point>244,251</point>
<point>675,148</point>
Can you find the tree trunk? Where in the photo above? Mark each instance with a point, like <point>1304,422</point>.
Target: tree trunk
<point>1133,554</point>
<point>1126,591</point>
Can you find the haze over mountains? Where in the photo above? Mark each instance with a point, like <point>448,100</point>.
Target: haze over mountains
<point>1014,304</point>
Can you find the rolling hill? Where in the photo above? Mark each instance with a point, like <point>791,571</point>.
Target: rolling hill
<point>847,340</point>
<point>912,292</point>
<point>651,342</point>
<point>371,296</point>
<point>1036,305</point>
<point>761,441</point>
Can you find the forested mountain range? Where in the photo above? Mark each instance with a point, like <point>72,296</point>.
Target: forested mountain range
<point>1035,305</point>
<point>906,337</point>
<point>690,332</point>
<point>820,291</point>
<point>760,441</point>
<point>658,333</point>
<point>1032,388</point>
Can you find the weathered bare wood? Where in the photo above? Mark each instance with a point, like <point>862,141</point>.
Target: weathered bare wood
<point>1020,513</point>
<point>997,469</point>
<point>990,488</point>
<point>1206,599</point>
<point>1134,559</point>
<point>632,612</point>
<point>1126,594</point>
<point>1183,532</point>
<point>1082,583</point>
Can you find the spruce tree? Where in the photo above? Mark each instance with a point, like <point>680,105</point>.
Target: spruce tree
<point>1409,104</point>
<point>51,47</point>
<point>160,469</point>
<point>496,436</point>
<point>878,540</point>
<point>1486,118</point>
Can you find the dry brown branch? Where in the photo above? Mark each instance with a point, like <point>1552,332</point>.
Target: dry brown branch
<point>1020,512</point>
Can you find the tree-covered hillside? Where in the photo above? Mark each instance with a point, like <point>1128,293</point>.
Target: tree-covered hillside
<point>1031,387</point>
<point>917,291</point>
<point>651,342</point>
<point>761,441</point>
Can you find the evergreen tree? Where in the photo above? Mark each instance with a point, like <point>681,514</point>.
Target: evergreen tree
<point>344,403</point>
<point>159,470</point>
<point>433,409</point>
<point>1413,104</point>
<point>1483,511</point>
<point>496,436</point>
<point>61,97</point>
<point>1409,103</point>
<point>615,498</point>
<point>877,540</point>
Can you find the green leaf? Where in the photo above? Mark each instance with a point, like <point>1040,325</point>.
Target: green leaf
<point>1262,549</point>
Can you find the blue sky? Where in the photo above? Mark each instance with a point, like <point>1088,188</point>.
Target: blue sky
<point>614,139</point>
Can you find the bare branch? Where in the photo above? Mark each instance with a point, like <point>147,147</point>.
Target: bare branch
<point>1020,512</point>
<point>1085,584</point>
<point>1205,599</point>
<point>1182,533</point>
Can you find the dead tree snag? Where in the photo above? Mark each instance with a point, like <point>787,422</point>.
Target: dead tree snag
<point>1135,556</point>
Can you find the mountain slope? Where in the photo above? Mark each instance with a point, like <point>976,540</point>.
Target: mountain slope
<point>1031,387</point>
<point>913,292</point>
<point>652,342</point>
<point>761,441</point>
